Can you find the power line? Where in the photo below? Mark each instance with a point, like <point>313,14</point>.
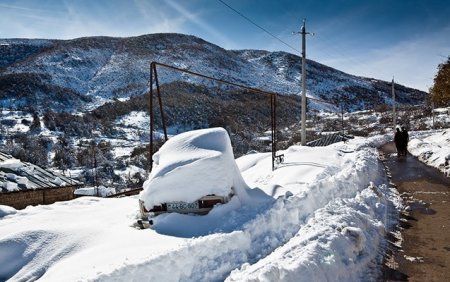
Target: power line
<point>362,65</point>
<point>332,47</point>
<point>288,45</point>
<point>345,57</point>
<point>258,26</point>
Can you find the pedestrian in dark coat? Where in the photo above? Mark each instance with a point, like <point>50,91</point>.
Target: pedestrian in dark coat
<point>398,141</point>
<point>405,140</point>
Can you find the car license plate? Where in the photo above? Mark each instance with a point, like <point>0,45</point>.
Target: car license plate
<point>176,206</point>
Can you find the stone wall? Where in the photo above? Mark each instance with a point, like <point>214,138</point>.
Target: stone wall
<point>22,199</point>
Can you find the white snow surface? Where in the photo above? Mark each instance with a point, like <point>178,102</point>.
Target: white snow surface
<point>322,216</point>
<point>432,147</point>
<point>11,164</point>
<point>100,191</point>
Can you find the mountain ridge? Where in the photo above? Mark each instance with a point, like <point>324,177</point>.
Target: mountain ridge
<point>95,70</point>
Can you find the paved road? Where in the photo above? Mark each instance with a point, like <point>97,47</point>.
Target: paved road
<point>424,252</point>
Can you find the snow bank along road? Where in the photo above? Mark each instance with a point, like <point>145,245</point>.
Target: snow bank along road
<point>329,211</point>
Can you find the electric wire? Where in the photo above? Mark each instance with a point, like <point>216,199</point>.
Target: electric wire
<point>260,27</point>
<point>334,49</point>
<point>274,36</point>
<point>355,61</point>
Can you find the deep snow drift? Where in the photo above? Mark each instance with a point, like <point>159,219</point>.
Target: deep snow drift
<point>325,216</point>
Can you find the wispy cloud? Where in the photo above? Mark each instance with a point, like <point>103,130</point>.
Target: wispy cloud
<point>69,19</point>
<point>23,21</point>
<point>196,19</point>
<point>156,18</point>
<point>21,8</point>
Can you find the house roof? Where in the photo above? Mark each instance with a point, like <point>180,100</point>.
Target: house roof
<point>329,139</point>
<point>19,176</point>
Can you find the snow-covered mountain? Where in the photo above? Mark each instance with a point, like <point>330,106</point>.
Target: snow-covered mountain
<point>86,72</point>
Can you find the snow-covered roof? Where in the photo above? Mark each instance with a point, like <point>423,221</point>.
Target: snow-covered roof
<point>329,139</point>
<point>16,175</point>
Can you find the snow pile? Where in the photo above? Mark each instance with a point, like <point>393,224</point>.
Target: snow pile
<point>432,148</point>
<point>101,191</point>
<point>6,210</point>
<point>339,242</point>
<point>199,161</point>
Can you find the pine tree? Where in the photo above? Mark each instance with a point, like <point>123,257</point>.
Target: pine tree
<point>98,160</point>
<point>35,126</point>
<point>440,92</point>
<point>31,149</point>
<point>64,157</point>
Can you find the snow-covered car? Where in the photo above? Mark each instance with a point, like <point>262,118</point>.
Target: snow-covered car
<point>193,172</point>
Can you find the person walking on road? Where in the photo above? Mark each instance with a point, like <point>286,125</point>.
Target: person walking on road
<point>398,141</point>
<point>404,140</point>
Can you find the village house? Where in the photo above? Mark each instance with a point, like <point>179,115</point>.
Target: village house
<point>23,184</point>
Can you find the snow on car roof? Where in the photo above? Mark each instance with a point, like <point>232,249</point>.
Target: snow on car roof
<point>192,165</point>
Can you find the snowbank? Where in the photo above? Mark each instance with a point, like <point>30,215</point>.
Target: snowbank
<point>432,148</point>
<point>192,165</point>
<point>339,242</point>
<point>6,210</point>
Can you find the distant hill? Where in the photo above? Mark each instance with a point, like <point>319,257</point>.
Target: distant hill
<point>84,73</point>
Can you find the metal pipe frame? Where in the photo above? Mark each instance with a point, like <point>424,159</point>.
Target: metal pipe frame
<point>154,79</point>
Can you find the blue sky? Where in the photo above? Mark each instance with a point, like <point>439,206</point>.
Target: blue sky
<point>405,39</point>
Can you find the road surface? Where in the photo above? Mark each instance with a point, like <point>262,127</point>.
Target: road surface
<point>422,251</point>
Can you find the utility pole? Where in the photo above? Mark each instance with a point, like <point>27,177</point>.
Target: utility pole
<point>303,33</point>
<point>394,116</point>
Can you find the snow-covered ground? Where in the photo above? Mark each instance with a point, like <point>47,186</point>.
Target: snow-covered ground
<point>432,148</point>
<point>324,217</point>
